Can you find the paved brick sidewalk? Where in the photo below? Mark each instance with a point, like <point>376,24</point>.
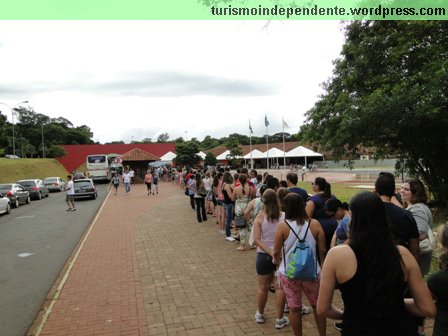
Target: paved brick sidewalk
<point>148,268</point>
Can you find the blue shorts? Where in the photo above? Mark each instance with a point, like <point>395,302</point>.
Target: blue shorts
<point>264,264</point>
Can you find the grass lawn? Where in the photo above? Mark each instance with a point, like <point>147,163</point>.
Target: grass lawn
<point>12,170</point>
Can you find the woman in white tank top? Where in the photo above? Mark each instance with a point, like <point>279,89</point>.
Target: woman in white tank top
<point>298,220</point>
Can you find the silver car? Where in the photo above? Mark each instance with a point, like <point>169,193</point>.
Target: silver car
<point>35,187</point>
<point>54,183</point>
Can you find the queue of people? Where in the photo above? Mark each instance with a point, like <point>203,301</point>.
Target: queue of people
<point>372,250</point>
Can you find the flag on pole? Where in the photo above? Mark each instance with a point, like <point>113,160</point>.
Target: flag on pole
<point>250,128</point>
<point>266,121</point>
<point>285,125</point>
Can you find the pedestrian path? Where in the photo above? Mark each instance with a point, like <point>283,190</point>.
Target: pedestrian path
<point>148,268</point>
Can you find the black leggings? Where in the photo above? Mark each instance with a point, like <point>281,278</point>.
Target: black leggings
<point>200,208</point>
<point>148,186</point>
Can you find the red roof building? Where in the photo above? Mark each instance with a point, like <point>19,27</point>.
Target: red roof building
<point>76,154</point>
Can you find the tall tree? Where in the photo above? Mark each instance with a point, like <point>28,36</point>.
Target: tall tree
<point>187,153</point>
<point>163,137</point>
<point>389,92</point>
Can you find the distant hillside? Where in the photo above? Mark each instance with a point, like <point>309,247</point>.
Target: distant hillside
<point>13,170</point>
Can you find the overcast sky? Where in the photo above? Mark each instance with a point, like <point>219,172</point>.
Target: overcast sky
<point>136,79</point>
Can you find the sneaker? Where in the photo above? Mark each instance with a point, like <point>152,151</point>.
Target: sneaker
<point>230,239</point>
<point>281,323</point>
<point>305,310</point>
<point>338,326</point>
<point>73,209</point>
<point>259,317</point>
<point>69,209</point>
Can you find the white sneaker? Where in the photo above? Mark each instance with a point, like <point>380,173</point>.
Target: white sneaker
<point>281,323</point>
<point>230,239</point>
<point>305,310</point>
<point>259,317</point>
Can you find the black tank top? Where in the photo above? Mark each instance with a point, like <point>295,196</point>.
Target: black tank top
<point>227,199</point>
<point>360,320</point>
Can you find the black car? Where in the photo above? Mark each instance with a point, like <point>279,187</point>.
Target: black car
<point>78,176</point>
<point>35,187</point>
<point>85,188</point>
<point>16,193</point>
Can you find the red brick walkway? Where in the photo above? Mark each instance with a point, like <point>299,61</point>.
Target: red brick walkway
<point>148,268</point>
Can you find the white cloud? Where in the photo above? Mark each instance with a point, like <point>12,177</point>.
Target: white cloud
<point>141,78</point>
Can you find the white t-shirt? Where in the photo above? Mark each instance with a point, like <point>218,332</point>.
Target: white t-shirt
<point>70,188</point>
<point>131,173</point>
<point>126,178</point>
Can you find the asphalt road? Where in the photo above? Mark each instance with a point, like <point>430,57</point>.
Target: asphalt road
<point>35,242</point>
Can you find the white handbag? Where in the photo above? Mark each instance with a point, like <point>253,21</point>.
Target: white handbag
<point>427,245</point>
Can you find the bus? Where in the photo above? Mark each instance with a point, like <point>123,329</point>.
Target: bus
<point>97,167</point>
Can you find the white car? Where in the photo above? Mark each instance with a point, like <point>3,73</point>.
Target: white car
<point>5,207</point>
<point>54,183</point>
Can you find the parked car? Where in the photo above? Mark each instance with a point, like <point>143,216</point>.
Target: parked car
<point>5,207</point>
<point>16,193</point>
<point>54,183</point>
<point>35,187</point>
<point>78,176</point>
<point>85,188</point>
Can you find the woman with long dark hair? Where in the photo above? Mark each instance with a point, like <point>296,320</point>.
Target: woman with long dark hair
<point>315,208</point>
<point>373,274</point>
<point>309,230</point>
<point>265,226</point>
<point>199,198</point>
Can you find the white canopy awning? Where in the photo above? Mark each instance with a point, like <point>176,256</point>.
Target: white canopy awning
<point>274,153</point>
<point>301,151</point>
<point>202,155</point>
<point>170,156</point>
<point>223,156</point>
<point>256,154</point>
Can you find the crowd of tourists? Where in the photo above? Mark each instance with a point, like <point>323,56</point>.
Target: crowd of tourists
<point>375,251</point>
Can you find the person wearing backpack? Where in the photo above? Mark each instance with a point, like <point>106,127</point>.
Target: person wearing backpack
<point>311,237</point>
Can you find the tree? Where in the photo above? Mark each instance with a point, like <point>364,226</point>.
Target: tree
<point>235,150</point>
<point>163,137</point>
<point>187,153</point>
<point>55,151</point>
<point>389,92</point>
<point>209,142</point>
<point>210,159</point>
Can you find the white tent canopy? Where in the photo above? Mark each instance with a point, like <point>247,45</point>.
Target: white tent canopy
<point>274,153</point>
<point>256,154</point>
<point>301,151</point>
<point>202,155</point>
<point>223,156</point>
<point>168,156</point>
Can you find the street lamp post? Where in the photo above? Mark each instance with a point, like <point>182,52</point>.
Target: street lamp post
<point>43,143</point>
<point>12,120</point>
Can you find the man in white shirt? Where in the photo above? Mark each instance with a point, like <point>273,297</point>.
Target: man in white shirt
<point>131,174</point>
<point>69,198</point>
<point>127,181</point>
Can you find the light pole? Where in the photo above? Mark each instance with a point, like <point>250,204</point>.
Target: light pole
<point>186,135</point>
<point>12,120</point>
<point>43,143</point>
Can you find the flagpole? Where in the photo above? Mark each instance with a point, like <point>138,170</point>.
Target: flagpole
<point>250,146</point>
<point>284,154</point>
<point>267,148</point>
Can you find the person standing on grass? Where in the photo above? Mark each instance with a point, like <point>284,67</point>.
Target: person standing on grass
<point>70,196</point>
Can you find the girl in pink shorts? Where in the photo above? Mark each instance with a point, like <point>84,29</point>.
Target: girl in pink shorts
<point>298,221</point>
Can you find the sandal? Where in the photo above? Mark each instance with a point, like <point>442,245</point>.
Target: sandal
<point>241,248</point>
